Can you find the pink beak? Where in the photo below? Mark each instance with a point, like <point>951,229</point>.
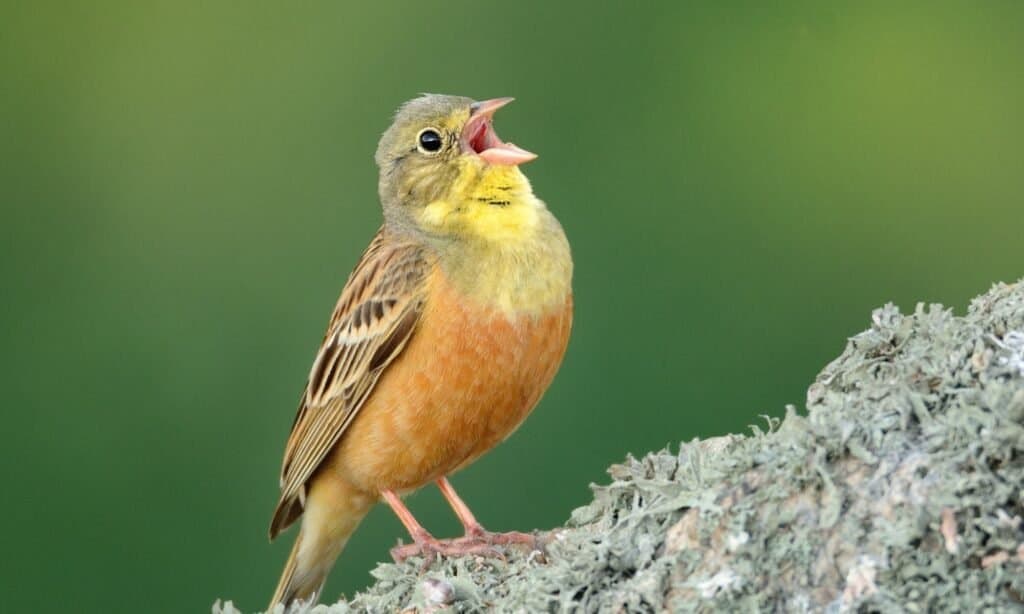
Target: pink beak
<point>478,136</point>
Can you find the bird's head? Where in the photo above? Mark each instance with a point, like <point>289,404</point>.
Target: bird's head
<point>445,172</point>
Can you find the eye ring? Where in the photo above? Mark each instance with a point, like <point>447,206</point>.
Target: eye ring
<point>429,141</point>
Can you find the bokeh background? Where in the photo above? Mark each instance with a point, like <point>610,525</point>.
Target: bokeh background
<point>185,187</point>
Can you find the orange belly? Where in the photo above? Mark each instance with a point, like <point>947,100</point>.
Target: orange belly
<point>468,377</point>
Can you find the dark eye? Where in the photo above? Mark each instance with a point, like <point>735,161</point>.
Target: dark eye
<point>430,141</point>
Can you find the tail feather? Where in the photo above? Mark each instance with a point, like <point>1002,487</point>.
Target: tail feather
<point>291,588</point>
<point>332,512</point>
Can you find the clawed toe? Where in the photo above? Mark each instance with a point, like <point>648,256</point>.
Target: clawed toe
<point>515,537</point>
<point>429,551</point>
<point>403,551</point>
<point>474,543</point>
<point>535,541</point>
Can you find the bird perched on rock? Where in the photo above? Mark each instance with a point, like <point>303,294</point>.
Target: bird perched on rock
<point>446,335</point>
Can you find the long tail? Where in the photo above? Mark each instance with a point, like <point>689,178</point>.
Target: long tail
<point>288,590</point>
<point>332,514</point>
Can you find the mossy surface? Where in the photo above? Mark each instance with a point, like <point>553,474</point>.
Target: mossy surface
<point>900,489</point>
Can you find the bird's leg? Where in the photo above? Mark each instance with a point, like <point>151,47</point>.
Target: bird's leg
<point>469,522</point>
<point>475,532</point>
<point>423,542</point>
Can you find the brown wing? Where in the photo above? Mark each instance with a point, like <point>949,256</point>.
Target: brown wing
<point>373,320</point>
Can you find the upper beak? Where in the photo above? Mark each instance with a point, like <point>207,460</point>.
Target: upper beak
<point>478,135</point>
<point>488,107</point>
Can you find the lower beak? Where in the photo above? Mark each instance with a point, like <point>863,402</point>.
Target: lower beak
<point>478,136</point>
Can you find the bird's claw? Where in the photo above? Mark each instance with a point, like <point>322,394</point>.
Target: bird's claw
<point>426,549</point>
<point>430,551</point>
<point>476,542</point>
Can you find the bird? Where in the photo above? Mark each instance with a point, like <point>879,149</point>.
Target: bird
<point>447,333</point>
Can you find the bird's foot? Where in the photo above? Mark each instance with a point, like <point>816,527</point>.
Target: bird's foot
<point>481,542</point>
<point>423,544</point>
<point>481,535</point>
<point>476,542</point>
<point>430,549</point>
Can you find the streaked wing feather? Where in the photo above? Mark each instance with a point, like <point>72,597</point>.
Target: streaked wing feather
<point>375,317</point>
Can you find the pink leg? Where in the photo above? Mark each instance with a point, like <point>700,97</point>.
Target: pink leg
<point>424,543</point>
<point>415,529</point>
<point>475,532</point>
<point>466,517</point>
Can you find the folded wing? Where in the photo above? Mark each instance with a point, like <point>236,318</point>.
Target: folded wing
<point>375,317</point>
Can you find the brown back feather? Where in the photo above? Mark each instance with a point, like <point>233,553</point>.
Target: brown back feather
<point>375,317</point>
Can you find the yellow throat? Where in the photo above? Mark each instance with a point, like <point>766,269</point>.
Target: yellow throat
<point>501,246</point>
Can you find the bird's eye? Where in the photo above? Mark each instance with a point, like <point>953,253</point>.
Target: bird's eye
<point>430,141</point>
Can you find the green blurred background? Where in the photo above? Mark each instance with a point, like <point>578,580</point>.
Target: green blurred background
<point>185,187</point>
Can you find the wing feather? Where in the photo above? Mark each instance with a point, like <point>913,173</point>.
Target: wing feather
<point>373,320</point>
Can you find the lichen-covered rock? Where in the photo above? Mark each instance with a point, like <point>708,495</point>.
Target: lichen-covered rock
<point>901,489</point>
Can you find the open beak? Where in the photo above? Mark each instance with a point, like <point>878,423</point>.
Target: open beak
<point>478,136</point>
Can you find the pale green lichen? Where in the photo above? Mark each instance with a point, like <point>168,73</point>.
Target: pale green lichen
<point>901,489</point>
